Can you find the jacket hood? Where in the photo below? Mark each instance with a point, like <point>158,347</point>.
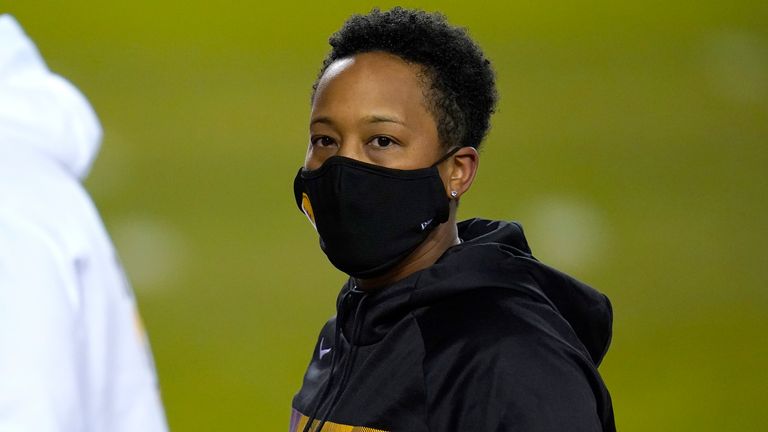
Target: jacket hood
<point>493,254</point>
<point>39,110</point>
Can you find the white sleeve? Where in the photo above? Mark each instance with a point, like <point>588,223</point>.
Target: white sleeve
<point>40,340</point>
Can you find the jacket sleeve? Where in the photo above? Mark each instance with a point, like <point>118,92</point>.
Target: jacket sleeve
<point>508,372</point>
<point>39,379</point>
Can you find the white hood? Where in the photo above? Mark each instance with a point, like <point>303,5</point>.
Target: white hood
<point>40,110</point>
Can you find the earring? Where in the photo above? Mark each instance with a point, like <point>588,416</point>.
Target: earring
<point>454,194</point>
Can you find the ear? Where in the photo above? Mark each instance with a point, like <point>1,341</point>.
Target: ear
<point>460,170</point>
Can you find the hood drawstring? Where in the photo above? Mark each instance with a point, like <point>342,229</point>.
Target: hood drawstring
<point>346,367</point>
<point>334,357</point>
<point>349,363</point>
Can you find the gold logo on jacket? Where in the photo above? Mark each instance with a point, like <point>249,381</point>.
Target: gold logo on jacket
<point>299,421</point>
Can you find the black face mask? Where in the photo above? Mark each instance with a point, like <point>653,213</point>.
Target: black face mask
<point>369,217</point>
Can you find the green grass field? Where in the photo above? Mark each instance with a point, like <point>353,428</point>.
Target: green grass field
<point>630,140</point>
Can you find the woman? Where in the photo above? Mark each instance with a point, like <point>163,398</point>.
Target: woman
<point>441,326</point>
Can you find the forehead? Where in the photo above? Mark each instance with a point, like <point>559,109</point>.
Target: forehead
<point>371,80</point>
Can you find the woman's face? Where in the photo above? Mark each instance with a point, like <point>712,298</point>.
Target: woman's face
<point>371,107</point>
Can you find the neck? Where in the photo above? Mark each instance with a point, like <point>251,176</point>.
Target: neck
<point>425,255</point>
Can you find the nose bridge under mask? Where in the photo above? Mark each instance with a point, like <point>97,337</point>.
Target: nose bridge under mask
<point>308,172</point>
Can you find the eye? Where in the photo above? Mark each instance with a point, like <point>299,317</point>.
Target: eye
<point>322,141</point>
<point>382,141</point>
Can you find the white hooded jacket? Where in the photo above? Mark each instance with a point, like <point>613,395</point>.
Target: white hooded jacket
<point>73,354</point>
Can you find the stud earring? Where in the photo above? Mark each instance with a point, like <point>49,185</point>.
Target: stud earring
<point>454,194</point>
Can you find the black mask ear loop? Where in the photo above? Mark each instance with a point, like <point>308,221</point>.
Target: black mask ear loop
<point>445,157</point>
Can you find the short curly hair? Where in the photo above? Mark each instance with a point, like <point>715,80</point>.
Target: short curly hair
<point>460,82</point>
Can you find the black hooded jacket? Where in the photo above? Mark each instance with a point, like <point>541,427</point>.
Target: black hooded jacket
<point>486,339</point>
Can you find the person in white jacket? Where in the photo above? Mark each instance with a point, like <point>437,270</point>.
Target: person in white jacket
<point>73,354</point>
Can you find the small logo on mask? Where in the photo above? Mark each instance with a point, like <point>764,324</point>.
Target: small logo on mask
<point>306,207</point>
<point>425,224</point>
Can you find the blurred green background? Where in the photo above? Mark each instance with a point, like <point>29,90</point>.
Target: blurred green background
<point>630,141</point>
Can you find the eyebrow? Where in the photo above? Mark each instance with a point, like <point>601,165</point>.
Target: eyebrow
<point>368,119</point>
<point>324,120</point>
<point>383,119</point>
